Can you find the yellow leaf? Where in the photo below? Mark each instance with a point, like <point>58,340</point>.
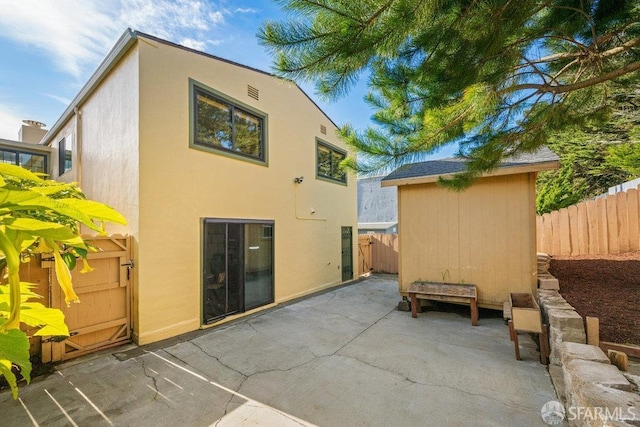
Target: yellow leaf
<point>42,247</point>
<point>64,279</point>
<point>86,268</point>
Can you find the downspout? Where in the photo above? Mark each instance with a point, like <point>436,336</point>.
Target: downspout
<point>78,132</point>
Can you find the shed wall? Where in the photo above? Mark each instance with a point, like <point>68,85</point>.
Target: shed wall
<point>484,236</point>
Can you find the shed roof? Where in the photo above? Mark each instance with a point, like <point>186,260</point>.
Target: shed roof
<point>430,171</point>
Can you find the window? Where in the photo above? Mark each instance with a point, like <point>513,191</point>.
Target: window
<point>65,151</point>
<point>32,161</point>
<point>226,127</point>
<point>328,162</point>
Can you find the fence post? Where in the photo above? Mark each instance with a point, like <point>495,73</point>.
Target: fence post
<point>583,229</point>
<point>632,214</point>
<point>612,224</point>
<point>623,222</point>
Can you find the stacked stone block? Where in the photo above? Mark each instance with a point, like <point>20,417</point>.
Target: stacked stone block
<point>565,324</point>
<point>545,279</point>
<point>596,392</point>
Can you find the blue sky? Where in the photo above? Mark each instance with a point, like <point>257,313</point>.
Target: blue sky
<point>50,48</point>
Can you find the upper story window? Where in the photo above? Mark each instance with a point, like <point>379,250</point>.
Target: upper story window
<point>328,160</point>
<point>65,153</point>
<point>32,161</point>
<point>227,127</point>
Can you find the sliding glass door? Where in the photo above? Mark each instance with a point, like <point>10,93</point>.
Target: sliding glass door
<point>237,267</point>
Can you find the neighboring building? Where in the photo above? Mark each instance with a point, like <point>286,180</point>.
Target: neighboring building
<point>634,183</point>
<point>227,175</point>
<point>25,151</point>
<point>377,207</point>
<point>485,235</point>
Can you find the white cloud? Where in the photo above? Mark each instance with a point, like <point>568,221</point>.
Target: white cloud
<point>164,18</point>
<point>60,99</point>
<point>77,34</point>
<point>74,33</point>
<point>216,17</point>
<point>193,44</point>
<point>246,10</point>
<point>10,123</point>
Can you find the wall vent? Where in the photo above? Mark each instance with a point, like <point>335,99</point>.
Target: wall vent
<point>323,129</point>
<point>253,92</point>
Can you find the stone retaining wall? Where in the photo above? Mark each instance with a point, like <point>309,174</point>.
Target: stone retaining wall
<point>594,392</point>
<point>565,324</point>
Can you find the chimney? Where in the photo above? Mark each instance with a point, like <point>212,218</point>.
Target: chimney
<point>31,131</point>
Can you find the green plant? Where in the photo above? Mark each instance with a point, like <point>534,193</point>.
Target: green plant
<point>494,77</point>
<point>444,275</point>
<point>39,216</point>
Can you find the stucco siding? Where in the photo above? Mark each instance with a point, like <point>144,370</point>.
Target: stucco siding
<point>484,235</point>
<point>179,186</point>
<point>103,133</point>
<point>107,142</point>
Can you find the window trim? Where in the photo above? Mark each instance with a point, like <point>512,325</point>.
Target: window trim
<point>62,160</point>
<point>18,152</point>
<point>332,148</point>
<point>197,86</point>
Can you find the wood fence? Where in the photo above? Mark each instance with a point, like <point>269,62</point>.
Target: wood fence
<point>378,253</point>
<point>103,318</point>
<point>608,225</point>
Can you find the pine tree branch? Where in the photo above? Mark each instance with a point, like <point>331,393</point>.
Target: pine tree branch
<point>379,12</point>
<point>332,10</point>
<point>607,53</point>
<point>559,89</point>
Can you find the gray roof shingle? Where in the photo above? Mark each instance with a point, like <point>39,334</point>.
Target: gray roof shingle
<point>458,164</point>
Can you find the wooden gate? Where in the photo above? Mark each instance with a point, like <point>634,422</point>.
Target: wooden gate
<point>102,319</point>
<point>364,254</point>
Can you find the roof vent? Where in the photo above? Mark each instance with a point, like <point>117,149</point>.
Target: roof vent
<point>253,92</point>
<point>34,124</point>
<point>323,129</point>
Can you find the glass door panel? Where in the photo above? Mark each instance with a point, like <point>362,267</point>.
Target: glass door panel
<point>214,271</point>
<point>235,271</point>
<point>258,265</point>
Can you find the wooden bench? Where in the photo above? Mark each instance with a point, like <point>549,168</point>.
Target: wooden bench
<point>446,292</point>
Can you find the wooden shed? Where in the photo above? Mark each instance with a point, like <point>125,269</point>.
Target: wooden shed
<point>485,235</point>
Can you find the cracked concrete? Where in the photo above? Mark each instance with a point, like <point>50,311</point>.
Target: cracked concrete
<point>345,357</point>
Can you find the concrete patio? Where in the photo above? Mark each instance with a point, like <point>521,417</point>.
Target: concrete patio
<point>346,357</point>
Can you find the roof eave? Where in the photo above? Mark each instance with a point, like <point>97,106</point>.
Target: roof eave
<point>24,146</point>
<point>121,47</point>
<point>505,170</point>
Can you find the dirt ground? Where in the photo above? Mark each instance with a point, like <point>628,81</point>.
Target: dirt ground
<point>606,287</point>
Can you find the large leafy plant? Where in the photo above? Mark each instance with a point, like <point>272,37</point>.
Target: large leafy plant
<point>39,216</point>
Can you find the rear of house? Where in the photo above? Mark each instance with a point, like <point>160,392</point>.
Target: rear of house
<point>227,175</point>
